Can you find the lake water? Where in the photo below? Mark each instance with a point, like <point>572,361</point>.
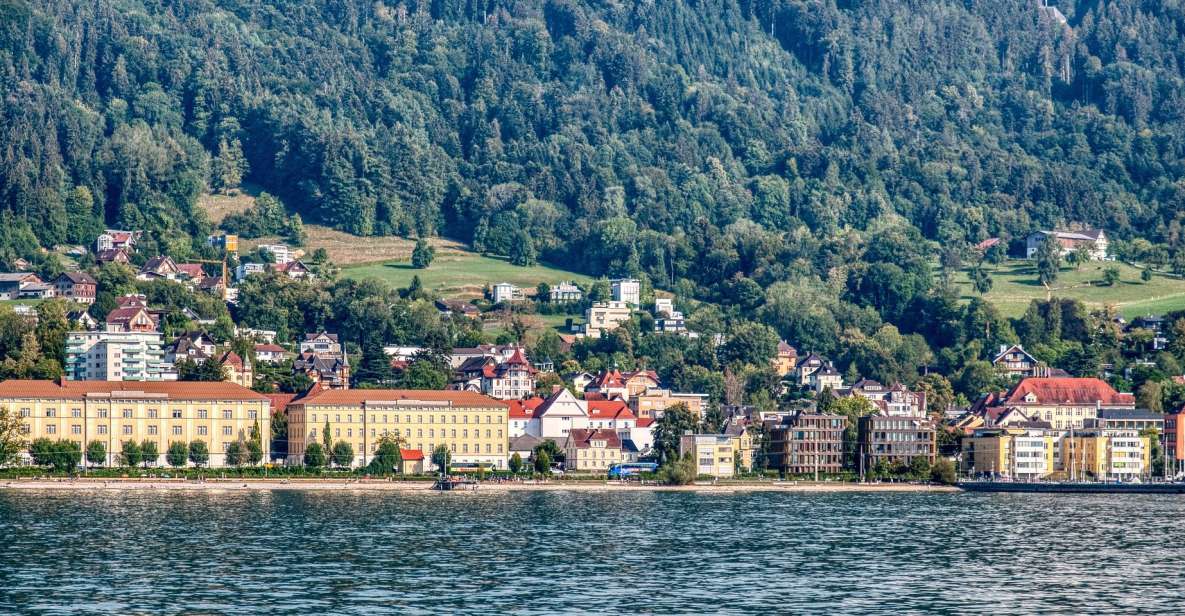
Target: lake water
<point>288,552</point>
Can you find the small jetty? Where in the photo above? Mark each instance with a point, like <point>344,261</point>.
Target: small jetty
<point>1075,487</point>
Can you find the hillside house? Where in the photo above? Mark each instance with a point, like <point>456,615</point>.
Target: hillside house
<point>1094,240</point>
<point>78,287</point>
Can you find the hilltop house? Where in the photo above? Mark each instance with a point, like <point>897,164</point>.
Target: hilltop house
<point>78,287</point>
<point>1094,240</point>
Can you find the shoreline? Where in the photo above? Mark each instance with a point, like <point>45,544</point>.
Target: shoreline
<point>215,484</point>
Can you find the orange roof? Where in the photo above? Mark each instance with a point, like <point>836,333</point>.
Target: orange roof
<point>645,422</point>
<point>175,390</point>
<point>1055,390</point>
<point>524,409</point>
<point>609,409</point>
<point>358,396</point>
<point>280,401</point>
<point>411,455</point>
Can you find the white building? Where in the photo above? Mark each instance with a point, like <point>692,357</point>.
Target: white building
<point>605,316</point>
<point>627,290</point>
<point>280,253</point>
<point>116,356</point>
<point>506,292</point>
<point>564,292</point>
<point>247,269</point>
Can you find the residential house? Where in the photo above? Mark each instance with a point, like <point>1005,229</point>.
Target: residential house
<point>1174,440</point>
<point>592,450</point>
<point>116,239</point>
<point>826,377</point>
<point>807,366</point>
<point>293,269</point>
<point>627,291</point>
<point>610,415</point>
<point>565,292</point>
<point>580,380</point>
<point>247,269</point>
<point>807,443</point>
<point>1064,402</point>
<point>280,253</point>
<point>1108,454</point>
<point>37,290</point>
<point>457,307</point>
<point>159,267</point>
<point>786,359</point>
<point>524,445</point>
<point>504,292</point>
<point>132,315</point>
<point>513,379</point>
<point>894,401</point>
<point>191,271</point>
<point>713,454</point>
<point>11,284</point>
<point>113,255</point>
<point>1016,362</point>
<point>625,385</point>
<point>1151,326</point>
<point>1139,420</point>
<point>193,346</point>
<point>270,353</point>
<point>523,417</point>
<point>323,344</point>
<point>78,287</point>
<point>561,413</point>
<point>236,369</point>
<point>1093,240</point>
<point>471,425</point>
<point>115,413</point>
<point>326,372</point>
<point>116,355</point>
<point>742,441</point>
<point>651,403</point>
<point>603,317</point>
<point>81,319</point>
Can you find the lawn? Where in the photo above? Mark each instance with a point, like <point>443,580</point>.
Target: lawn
<point>460,273</point>
<point>1014,285</point>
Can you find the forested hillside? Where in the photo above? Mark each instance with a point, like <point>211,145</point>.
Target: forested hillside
<point>717,147</point>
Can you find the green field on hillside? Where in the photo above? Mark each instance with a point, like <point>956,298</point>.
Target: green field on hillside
<point>456,273</point>
<point>1014,285</point>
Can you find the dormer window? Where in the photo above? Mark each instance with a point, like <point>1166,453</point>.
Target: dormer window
<point>1030,397</point>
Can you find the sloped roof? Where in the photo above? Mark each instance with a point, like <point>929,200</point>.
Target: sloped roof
<point>609,409</point>
<point>176,390</point>
<point>524,409</point>
<point>411,455</point>
<point>1062,390</point>
<point>581,438</point>
<point>78,277</point>
<point>281,401</point>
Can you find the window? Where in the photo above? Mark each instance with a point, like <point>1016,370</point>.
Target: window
<point>226,430</point>
<point>127,430</point>
<point>349,432</point>
<point>176,430</point>
<point>203,430</point>
<point>26,413</point>
<point>431,433</point>
<point>102,430</point>
<point>51,429</point>
<point>76,412</point>
<point>227,413</point>
<point>127,413</point>
<point>152,413</point>
<point>51,412</point>
<point>152,430</point>
<point>337,418</point>
<point>337,432</point>
<point>252,414</point>
<point>203,414</point>
<point>176,413</point>
<point>75,429</point>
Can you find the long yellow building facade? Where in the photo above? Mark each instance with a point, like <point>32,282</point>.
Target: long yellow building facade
<point>473,426</point>
<point>1030,454</point>
<point>115,412</point>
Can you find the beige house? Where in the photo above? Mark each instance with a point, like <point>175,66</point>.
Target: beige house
<point>713,453</point>
<point>114,412</point>
<point>592,450</point>
<point>651,404</point>
<point>602,317</point>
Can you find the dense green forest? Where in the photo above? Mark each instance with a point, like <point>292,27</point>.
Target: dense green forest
<point>802,162</point>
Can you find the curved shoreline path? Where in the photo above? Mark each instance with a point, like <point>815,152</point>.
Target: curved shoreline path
<point>426,486</point>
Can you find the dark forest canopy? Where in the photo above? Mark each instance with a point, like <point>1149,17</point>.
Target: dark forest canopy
<point>693,142</point>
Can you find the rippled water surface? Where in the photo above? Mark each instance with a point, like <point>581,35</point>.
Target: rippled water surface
<point>290,552</point>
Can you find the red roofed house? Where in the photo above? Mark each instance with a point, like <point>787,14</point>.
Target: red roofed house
<point>191,271</point>
<point>625,385</point>
<point>131,315</point>
<point>513,379</point>
<point>611,414</point>
<point>238,371</point>
<point>524,417</point>
<point>270,353</point>
<point>293,269</point>
<point>592,450</point>
<point>1063,402</point>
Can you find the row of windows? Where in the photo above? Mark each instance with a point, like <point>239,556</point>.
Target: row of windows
<point>337,432</point>
<point>375,418</point>
<point>150,414</point>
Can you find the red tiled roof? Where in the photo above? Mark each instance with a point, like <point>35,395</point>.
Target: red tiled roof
<point>231,358</point>
<point>609,409</point>
<point>280,401</point>
<point>580,437</point>
<point>358,396</point>
<point>1058,390</point>
<point>645,422</point>
<point>269,348</point>
<point>174,390</point>
<point>988,243</point>
<point>411,455</point>
<point>524,409</point>
<point>193,270</point>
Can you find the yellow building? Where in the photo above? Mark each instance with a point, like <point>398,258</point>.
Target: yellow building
<point>592,450</point>
<point>115,412</point>
<point>1105,454</point>
<point>1021,453</point>
<point>653,402</point>
<point>473,426</point>
<point>713,453</point>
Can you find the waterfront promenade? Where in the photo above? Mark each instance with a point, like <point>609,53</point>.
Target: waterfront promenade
<point>426,486</point>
